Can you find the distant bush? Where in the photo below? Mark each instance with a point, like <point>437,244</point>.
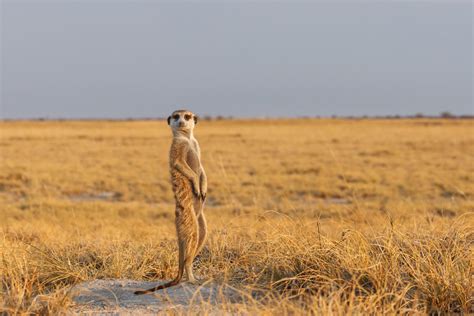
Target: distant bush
<point>446,114</point>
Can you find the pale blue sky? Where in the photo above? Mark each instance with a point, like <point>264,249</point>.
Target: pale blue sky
<point>118,59</point>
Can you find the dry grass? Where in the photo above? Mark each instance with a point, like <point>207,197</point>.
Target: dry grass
<point>322,216</point>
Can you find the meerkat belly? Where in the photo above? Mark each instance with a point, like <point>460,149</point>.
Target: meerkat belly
<point>192,160</point>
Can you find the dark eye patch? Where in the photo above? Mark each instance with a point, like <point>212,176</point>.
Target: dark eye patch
<point>176,116</point>
<point>187,117</point>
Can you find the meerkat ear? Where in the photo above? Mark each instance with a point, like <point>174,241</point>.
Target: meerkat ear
<point>169,119</point>
<point>195,119</point>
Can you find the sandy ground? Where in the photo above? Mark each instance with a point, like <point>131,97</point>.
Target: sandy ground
<point>116,297</point>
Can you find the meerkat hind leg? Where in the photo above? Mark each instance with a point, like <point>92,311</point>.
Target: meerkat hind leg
<point>189,272</point>
<point>202,232</point>
<point>187,228</point>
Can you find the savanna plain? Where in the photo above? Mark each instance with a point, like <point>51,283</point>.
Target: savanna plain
<point>305,216</point>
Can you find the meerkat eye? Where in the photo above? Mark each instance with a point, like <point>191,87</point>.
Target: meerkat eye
<point>187,117</point>
<point>176,116</point>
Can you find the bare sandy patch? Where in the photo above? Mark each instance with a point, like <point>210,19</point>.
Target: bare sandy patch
<point>105,297</point>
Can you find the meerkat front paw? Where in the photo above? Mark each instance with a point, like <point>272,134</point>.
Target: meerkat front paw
<point>203,185</point>
<point>196,188</point>
<point>203,194</point>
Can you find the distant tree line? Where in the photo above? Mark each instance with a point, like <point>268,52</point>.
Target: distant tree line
<point>419,115</point>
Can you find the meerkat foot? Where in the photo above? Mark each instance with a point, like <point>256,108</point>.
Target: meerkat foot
<point>191,278</point>
<point>195,282</point>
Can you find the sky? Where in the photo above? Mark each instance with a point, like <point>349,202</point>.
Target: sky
<point>139,59</point>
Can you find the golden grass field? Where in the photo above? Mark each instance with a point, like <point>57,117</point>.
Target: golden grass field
<point>322,216</point>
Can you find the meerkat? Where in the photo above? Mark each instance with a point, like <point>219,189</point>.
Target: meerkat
<point>189,184</point>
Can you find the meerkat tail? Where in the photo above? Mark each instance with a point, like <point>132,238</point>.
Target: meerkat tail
<point>176,281</point>
<point>186,255</point>
<point>159,287</point>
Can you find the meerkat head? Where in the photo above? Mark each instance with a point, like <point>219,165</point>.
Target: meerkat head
<point>182,120</point>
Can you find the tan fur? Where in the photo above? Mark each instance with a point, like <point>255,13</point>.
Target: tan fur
<point>189,182</point>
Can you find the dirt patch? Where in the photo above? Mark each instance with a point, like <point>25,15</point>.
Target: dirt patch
<point>99,196</point>
<point>116,297</point>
